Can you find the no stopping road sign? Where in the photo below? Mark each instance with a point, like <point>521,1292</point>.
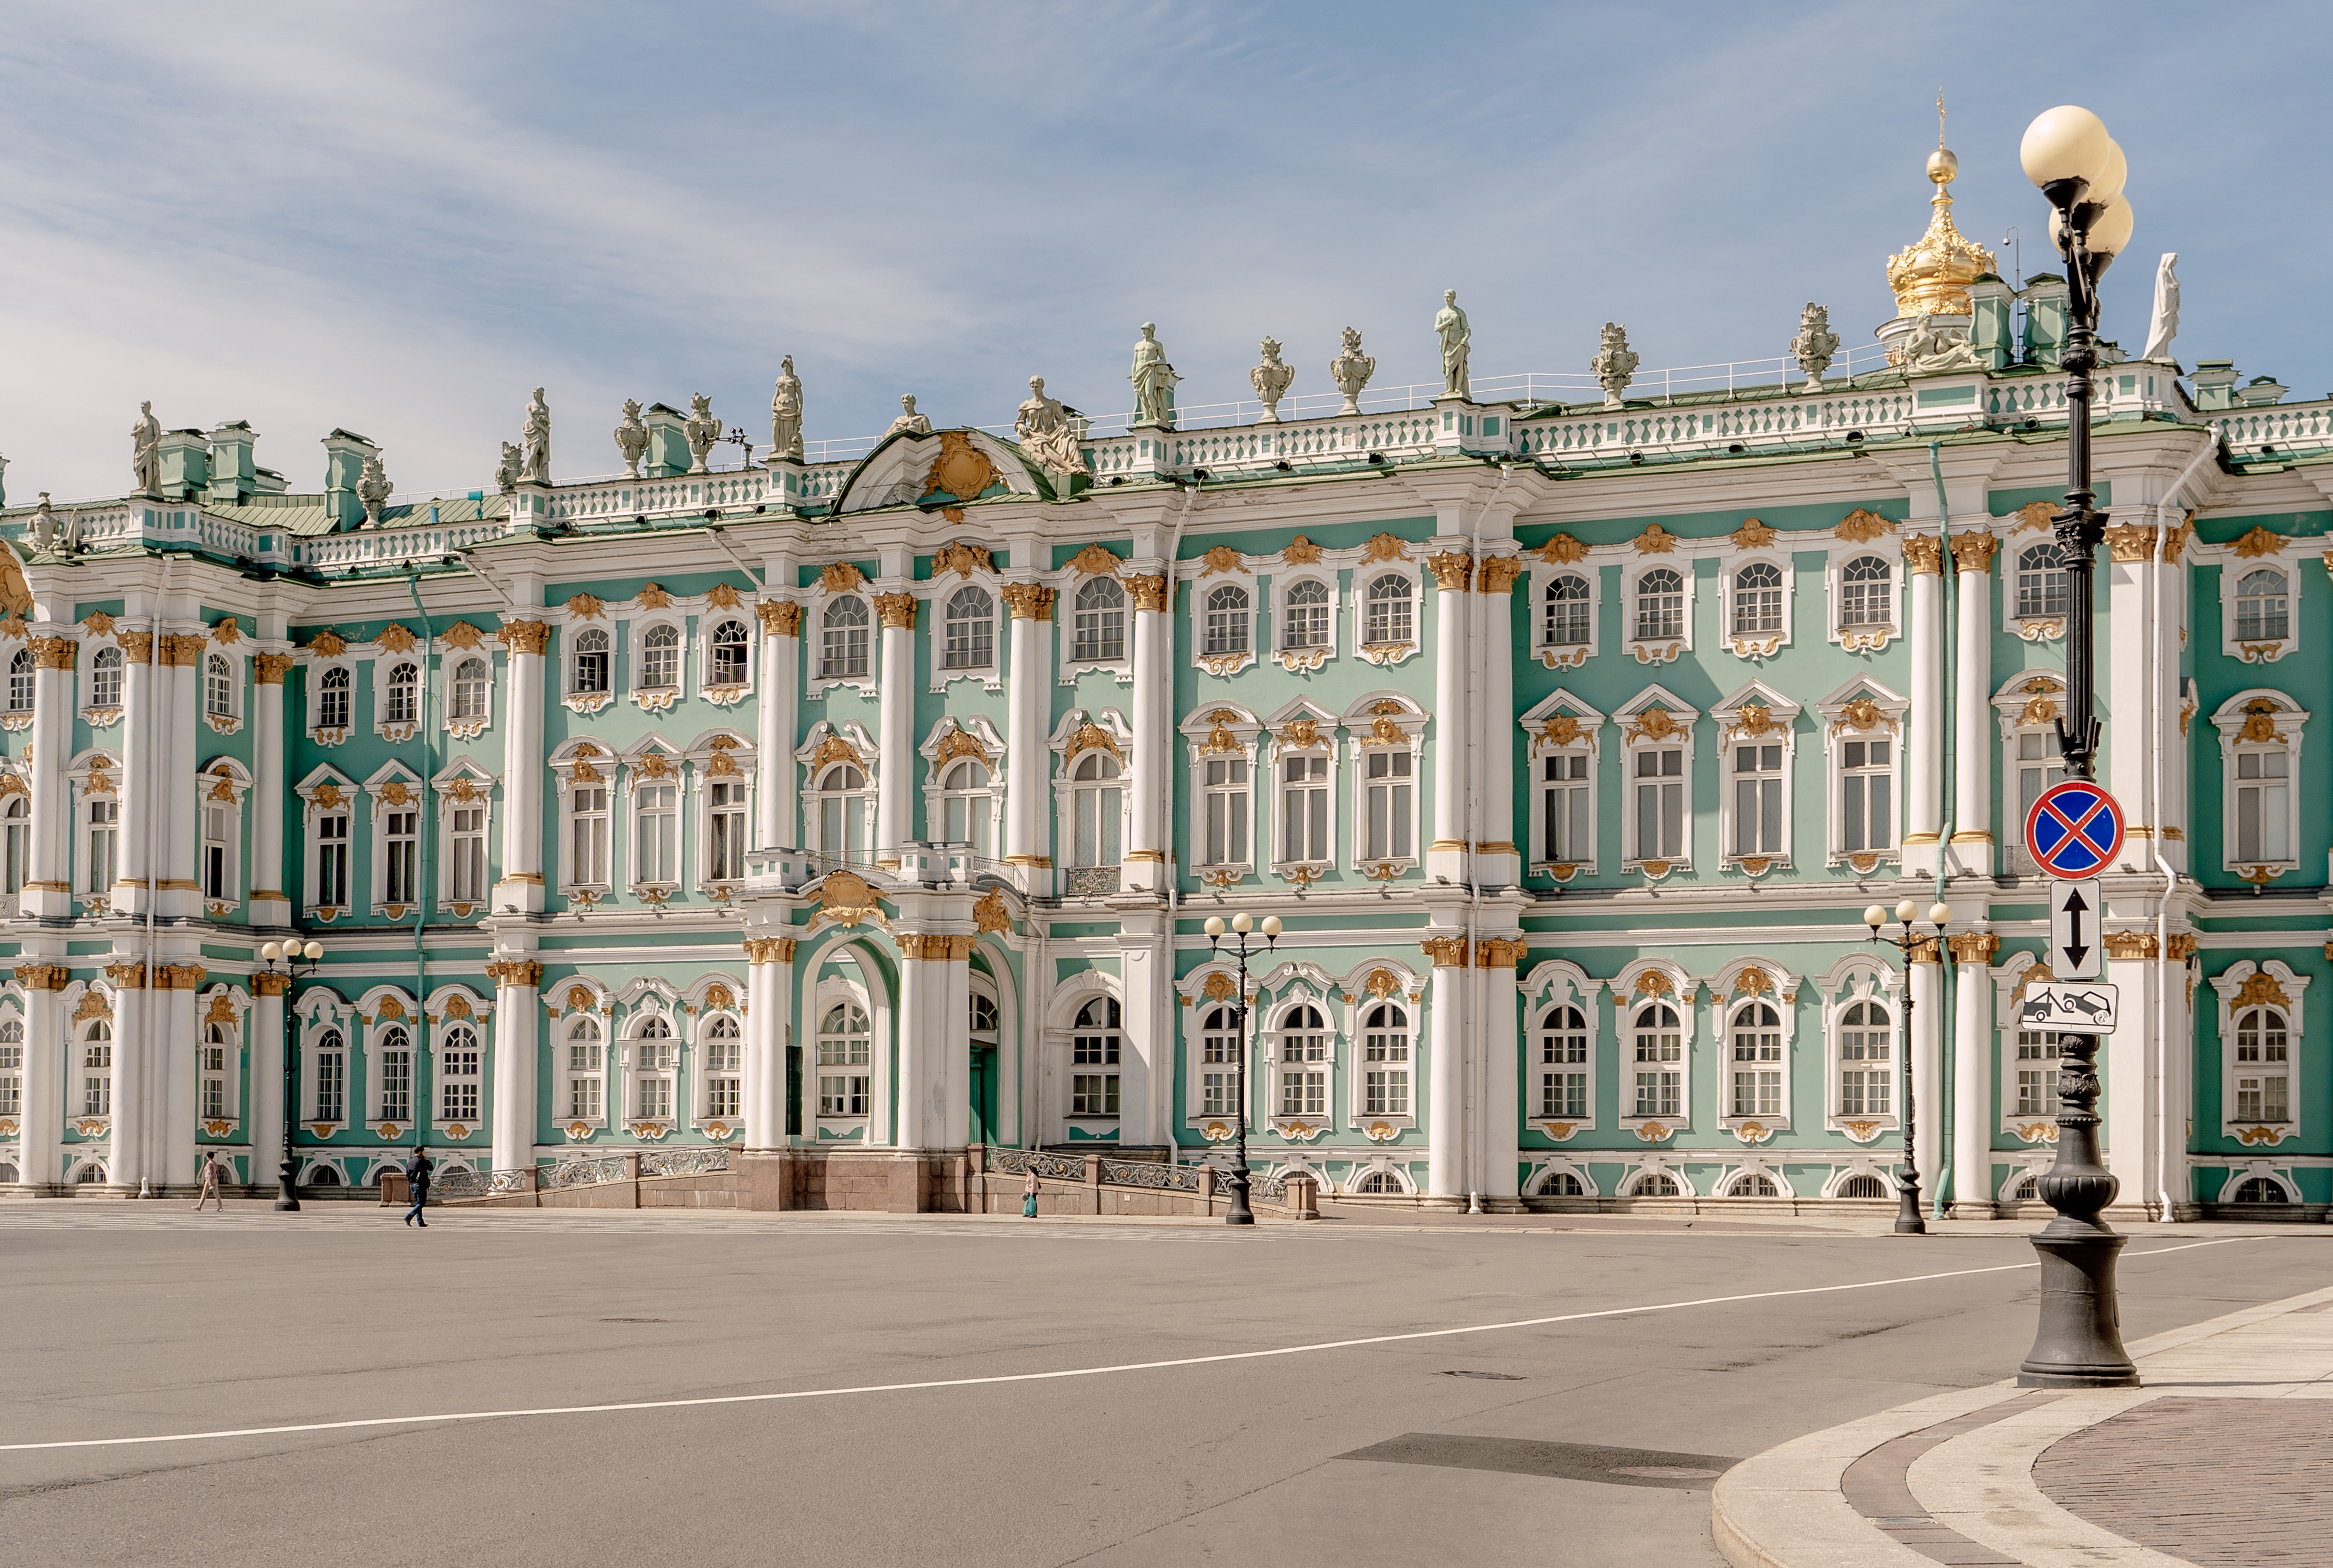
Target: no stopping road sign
<point>2075,830</point>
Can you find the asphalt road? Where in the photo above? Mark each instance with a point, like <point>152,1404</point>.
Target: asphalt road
<point>123,1321</point>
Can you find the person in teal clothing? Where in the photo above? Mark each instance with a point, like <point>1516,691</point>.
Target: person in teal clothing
<point>1029,1195</point>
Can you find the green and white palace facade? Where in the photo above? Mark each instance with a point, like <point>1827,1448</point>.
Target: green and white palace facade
<point>853,815</point>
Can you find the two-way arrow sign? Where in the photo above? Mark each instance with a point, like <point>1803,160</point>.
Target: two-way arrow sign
<point>2077,915</point>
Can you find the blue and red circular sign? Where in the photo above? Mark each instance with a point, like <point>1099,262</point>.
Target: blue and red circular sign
<point>2075,830</point>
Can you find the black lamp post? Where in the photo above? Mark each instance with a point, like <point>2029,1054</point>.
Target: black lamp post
<point>1907,1191</point>
<point>1239,1213</point>
<point>291,961</point>
<point>2068,153</point>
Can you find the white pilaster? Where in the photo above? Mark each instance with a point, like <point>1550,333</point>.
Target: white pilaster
<point>48,891</point>
<point>1454,577</point>
<point>523,774</point>
<point>266,1087</point>
<point>894,781</point>
<point>180,812</point>
<point>1927,1081</point>
<point>144,795</point>
<point>1974,850</point>
<point>174,1042</point>
<point>1973,1059</point>
<point>1501,1118</point>
<point>271,903</point>
<point>1923,754</point>
<point>1028,787</point>
<point>40,1130</point>
<point>779,826</point>
<point>1445,1047</point>
<point>1500,860</point>
<point>518,1024</point>
<point>132,1094</point>
<point>1153,783</point>
<point>2133,1097</point>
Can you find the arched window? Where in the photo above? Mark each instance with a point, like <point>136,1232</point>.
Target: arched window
<point>1226,628</point>
<point>1098,631</point>
<point>729,651</point>
<point>843,1041</point>
<point>2261,613</point>
<point>392,1075</point>
<point>105,679</point>
<point>653,1060</point>
<point>983,1019</point>
<point>404,683</point>
<point>457,1075</point>
<point>1385,1060</point>
<point>1562,1184</point>
<point>1378,1182</point>
<point>1563,1064</point>
<point>1219,1058</point>
<point>218,687</point>
<point>1757,1060</point>
<point>1660,605</point>
<point>333,698</point>
<point>971,629</point>
<point>1388,622</point>
<point>1304,615</point>
<point>1659,1059</point>
<point>966,808</point>
<point>589,677</point>
<point>324,1173</point>
<point>661,659</point>
<point>2263,1066</point>
<point>20,682</point>
<point>1564,611</point>
<point>1755,1184</point>
<point>2260,1190</point>
<point>1656,1184</point>
<point>16,821</point>
<point>470,683</point>
<point>1757,600</point>
<point>1866,1061</point>
<point>842,639</point>
<point>1863,1186</point>
<point>1094,810</point>
<point>97,1069</point>
<point>584,1070</point>
<point>1095,1047</point>
<point>2041,583</point>
<point>1867,595</point>
<point>841,801</point>
<point>1303,1063</point>
<point>328,1074</point>
<point>723,1067</point>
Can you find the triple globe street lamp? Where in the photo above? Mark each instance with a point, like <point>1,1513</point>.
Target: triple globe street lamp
<point>1245,928</point>
<point>1905,939</point>
<point>294,959</point>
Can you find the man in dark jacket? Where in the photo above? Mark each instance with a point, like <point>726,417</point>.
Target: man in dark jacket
<point>417,1176</point>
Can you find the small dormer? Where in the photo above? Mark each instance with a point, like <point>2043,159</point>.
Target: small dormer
<point>2260,392</point>
<point>2215,385</point>
<point>345,452</point>
<point>235,471</point>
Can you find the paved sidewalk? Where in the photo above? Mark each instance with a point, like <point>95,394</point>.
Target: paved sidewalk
<point>2205,1465</point>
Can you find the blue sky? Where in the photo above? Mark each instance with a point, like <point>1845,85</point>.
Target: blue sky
<point>398,219</point>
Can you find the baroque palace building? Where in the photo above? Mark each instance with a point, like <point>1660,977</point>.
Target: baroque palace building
<point>850,815</point>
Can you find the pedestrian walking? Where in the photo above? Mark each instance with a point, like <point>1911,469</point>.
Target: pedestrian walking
<point>417,1176</point>
<point>1029,1195</point>
<point>212,1170</point>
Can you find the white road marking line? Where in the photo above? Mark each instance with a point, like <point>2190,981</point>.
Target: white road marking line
<point>1086,1371</point>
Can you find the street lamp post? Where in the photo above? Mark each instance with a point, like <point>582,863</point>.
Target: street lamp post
<point>1239,1213</point>
<point>2068,153</point>
<point>1907,1191</point>
<point>294,961</point>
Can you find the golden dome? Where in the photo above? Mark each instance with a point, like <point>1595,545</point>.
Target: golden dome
<point>1934,271</point>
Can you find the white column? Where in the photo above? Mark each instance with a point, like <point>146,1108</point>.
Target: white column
<point>174,1042</point>
<point>894,781</point>
<point>779,821</point>
<point>518,1022</point>
<point>266,1086</point>
<point>1924,754</point>
<point>1973,1059</point>
<point>522,774</point>
<point>1145,1078</point>
<point>40,1130</point>
<point>1028,783</point>
<point>2133,1097</point>
<point>768,1006</point>
<point>1926,1063</point>
<point>919,1088</point>
<point>271,903</point>
<point>1501,1118</point>
<point>145,796</point>
<point>1973,730</point>
<point>1446,1045</point>
<point>1495,825</point>
<point>954,1130</point>
<point>178,840</point>
<point>48,890</point>
<point>131,1108</point>
<point>1152,781</point>
<point>1453,576</point>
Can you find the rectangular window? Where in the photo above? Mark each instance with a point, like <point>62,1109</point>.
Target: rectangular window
<point>218,852</point>
<point>104,839</point>
<point>469,854</point>
<point>1097,819</point>
<point>458,1086</point>
<point>12,1077</point>
<point>18,824</point>
<point>1757,800</point>
<point>1093,1095</point>
<point>841,1095</point>
<point>403,847</point>
<point>396,1086</point>
<point>1563,1094</point>
<point>1758,1092</point>
<point>332,861</point>
<point>588,852</point>
<point>2036,1093</point>
<point>1660,804</point>
<point>1227,796</point>
<point>1303,1093</point>
<point>2262,820</point>
<point>97,1085</point>
<point>655,1097</point>
<point>210,1056</point>
<point>1866,798</point>
<point>1215,1091</point>
<point>331,1075</point>
<point>1659,1094</point>
<point>656,849</point>
<point>1389,776</point>
<point>583,1099</point>
<point>1304,808</point>
<point>726,842</point>
<point>1566,832</point>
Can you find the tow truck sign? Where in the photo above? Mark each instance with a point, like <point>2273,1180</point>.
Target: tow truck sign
<point>2084,1007</point>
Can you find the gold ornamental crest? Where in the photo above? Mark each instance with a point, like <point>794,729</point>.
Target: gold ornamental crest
<point>961,469</point>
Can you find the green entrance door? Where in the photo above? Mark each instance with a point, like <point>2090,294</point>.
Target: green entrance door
<point>983,1093</point>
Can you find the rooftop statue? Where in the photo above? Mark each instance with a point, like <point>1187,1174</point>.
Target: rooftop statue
<point>1931,348</point>
<point>909,422</point>
<point>632,438</point>
<point>2165,324</point>
<point>786,414</point>
<point>1351,371</point>
<point>1614,364</point>
<point>702,429</point>
<point>45,525</point>
<point>1814,345</point>
<point>1271,379</point>
<point>1045,432</point>
<point>145,456</point>
<point>1450,326</point>
<point>536,466</point>
<point>373,488</point>
<point>1154,381</point>
<point>506,471</point>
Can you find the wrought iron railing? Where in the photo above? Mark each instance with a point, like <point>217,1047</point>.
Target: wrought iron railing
<point>1020,1162</point>
<point>455,1180</point>
<point>590,1172</point>
<point>683,1161</point>
<point>1149,1173</point>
